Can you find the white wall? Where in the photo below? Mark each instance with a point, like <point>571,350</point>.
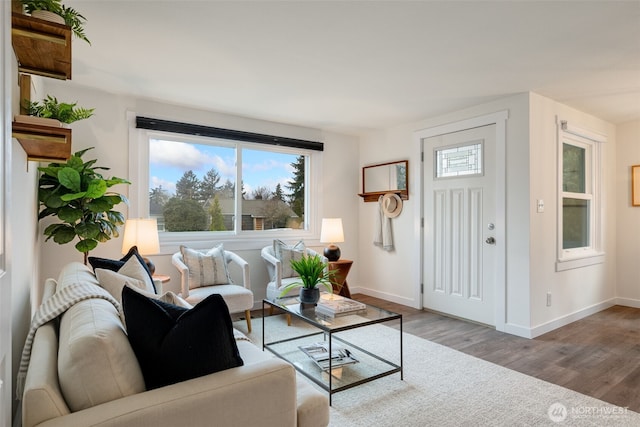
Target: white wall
<point>21,236</point>
<point>581,291</point>
<point>396,275</point>
<point>107,130</point>
<point>6,65</point>
<point>531,155</point>
<point>628,217</point>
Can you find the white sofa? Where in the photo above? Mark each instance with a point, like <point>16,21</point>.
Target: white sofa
<point>84,361</point>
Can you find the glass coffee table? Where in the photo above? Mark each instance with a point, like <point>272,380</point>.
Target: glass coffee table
<point>362,364</point>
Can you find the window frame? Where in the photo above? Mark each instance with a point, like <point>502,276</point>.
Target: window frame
<point>237,239</point>
<point>593,253</point>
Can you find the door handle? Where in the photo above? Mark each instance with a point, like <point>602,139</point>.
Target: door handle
<point>490,241</point>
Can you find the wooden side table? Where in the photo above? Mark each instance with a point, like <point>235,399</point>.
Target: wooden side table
<point>339,282</point>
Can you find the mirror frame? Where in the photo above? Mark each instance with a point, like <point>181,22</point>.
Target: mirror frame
<point>372,196</point>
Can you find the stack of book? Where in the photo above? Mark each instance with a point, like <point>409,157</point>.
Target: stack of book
<point>319,353</point>
<point>335,305</point>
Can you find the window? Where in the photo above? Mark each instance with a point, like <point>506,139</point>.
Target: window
<point>193,186</point>
<point>579,205</point>
<point>463,160</point>
<point>202,188</point>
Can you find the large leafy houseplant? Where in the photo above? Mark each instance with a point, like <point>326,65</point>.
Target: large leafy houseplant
<point>313,272</point>
<point>77,195</point>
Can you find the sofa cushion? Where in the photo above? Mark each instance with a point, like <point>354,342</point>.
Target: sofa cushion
<point>287,253</point>
<point>174,344</point>
<point>115,265</point>
<point>96,363</point>
<point>130,273</point>
<point>206,269</point>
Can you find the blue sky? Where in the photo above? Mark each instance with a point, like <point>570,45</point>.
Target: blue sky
<point>168,160</point>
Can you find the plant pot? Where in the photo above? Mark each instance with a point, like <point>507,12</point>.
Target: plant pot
<point>48,16</point>
<point>309,295</point>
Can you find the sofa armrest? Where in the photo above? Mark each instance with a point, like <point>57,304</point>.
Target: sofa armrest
<point>261,394</point>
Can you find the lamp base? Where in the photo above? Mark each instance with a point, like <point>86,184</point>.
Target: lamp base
<point>332,252</point>
<point>150,265</point>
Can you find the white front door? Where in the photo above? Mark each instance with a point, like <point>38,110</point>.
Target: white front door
<point>459,223</point>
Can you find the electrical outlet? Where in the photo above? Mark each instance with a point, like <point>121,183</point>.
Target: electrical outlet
<point>540,205</point>
<point>548,299</point>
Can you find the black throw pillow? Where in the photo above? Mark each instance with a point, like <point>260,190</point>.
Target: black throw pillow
<point>174,344</point>
<point>115,264</point>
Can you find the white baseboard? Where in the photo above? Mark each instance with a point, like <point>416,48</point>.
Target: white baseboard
<point>570,318</point>
<point>410,302</point>
<point>518,330</point>
<point>627,302</point>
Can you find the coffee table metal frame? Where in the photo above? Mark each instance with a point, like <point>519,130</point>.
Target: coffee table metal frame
<point>328,327</point>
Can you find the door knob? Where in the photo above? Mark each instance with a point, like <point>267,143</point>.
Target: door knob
<point>490,241</point>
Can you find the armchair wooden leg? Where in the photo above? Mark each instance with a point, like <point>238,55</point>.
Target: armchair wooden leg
<point>288,320</point>
<point>247,314</point>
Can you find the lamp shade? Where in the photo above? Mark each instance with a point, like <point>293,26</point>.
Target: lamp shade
<point>331,231</point>
<point>143,233</point>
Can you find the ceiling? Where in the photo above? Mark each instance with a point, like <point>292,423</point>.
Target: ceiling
<point>356,66</point>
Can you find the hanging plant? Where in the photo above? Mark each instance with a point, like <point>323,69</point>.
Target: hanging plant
<point>76,194</point>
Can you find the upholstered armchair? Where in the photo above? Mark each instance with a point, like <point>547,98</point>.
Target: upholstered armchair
<point>279,269</point>
<point>206,273</point>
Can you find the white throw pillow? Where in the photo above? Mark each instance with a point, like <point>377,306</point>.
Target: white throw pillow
<point>287,253</point>
<point>206,269</point>
<point>114,282</point>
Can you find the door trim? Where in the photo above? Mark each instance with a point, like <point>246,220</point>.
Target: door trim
<point>499,119</point>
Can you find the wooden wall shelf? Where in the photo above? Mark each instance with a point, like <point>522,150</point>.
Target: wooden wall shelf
<point>43,143</point>
<point>373,196</point>
<point>41,47</point>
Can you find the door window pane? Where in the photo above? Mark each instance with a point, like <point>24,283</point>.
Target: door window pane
<point>459,161</point>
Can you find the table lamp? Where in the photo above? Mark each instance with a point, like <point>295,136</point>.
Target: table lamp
<point>331,232</point>
<point>143,233</point>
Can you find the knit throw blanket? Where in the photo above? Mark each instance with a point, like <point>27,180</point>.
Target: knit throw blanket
<point>58,303</point>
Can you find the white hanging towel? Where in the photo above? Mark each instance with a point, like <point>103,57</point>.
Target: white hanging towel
<point>382,233</point>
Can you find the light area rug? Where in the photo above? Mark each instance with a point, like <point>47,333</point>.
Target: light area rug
<point>444,387</point>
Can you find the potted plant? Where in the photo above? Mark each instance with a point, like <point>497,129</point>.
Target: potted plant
<point>313,272</point>
<point>76,194</point>
<point>55,11</point>
<point>50,108</point>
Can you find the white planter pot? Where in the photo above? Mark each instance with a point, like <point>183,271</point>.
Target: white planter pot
<point>48,16</point>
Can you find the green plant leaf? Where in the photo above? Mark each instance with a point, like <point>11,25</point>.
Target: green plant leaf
<point>86,245</point>
<point>99,205</point>
<point>63,235</point>
<point>69,214</point>
<point>115,180</point>
<point>70,178</point>
<point>97,188</point>
<point>72,196</point>
<point>87,230</point>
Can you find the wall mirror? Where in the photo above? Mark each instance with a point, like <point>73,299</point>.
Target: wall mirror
<point>382,178</point>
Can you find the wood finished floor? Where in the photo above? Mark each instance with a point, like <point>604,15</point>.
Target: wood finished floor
<point>598,356</point>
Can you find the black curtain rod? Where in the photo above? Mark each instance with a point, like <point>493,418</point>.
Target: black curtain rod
<point>200,130</point>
